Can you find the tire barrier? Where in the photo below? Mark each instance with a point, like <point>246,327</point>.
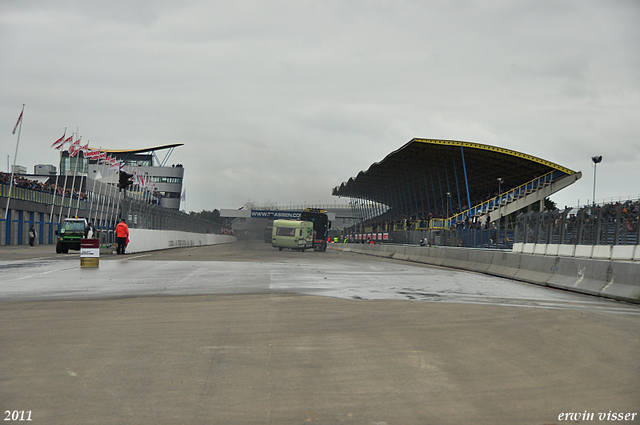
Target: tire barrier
<point>606,278</point>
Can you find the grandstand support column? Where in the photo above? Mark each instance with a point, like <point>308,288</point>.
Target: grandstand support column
<point>466,180</point>
<point>455,173</point>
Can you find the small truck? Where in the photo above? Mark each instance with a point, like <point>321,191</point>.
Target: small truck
<point>70,234</point>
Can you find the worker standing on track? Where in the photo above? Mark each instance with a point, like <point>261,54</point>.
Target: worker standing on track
<point>122,234</point>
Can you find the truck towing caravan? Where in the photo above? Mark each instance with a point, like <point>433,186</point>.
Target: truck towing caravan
<point>293,234</point>
<point>321,226</point>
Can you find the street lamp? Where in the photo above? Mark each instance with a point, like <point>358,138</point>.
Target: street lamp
<point>596,160</point>
<point>500,181</point>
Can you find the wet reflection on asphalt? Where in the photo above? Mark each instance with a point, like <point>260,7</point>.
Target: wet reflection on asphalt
<point>355,277</point>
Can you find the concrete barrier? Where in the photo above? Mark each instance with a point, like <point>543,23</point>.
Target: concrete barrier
<point>601,252</point>
<point>566,250</point>
<point>552,249</point>
<point>597,252</point>
<point>504,264</point>
<point>437,255</point>
<point>479,260</point>
<point>540,249</point>
<point>623,252</point>
<point>456,258</point>
<point>613,279</point>
<point>417,254</point>
<point>583,251</point>
<point>401,253</point>
<point>142,240</point>
<point>624,283</point>
<point>536,268</point>
<point>581,275</point>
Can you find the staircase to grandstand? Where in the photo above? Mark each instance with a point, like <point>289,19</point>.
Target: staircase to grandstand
<point>514,199</point>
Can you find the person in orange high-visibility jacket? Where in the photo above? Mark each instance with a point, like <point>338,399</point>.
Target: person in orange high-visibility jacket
<point>122,234</point>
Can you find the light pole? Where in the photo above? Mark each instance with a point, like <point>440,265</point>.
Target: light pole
<point>596,160</point>
<point>500,181</point>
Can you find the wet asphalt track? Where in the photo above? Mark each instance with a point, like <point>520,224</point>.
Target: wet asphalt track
<point>255,267</point>
<point>246,334</point>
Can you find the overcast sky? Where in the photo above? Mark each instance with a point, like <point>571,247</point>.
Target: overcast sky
<point>280,101</point>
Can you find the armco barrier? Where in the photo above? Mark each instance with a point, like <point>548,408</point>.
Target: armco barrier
<point>612,279</point>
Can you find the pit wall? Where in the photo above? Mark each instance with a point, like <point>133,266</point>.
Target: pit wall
<point>611,279</point>
<point>141,240</point>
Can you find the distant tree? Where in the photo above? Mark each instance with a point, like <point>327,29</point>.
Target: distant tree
<point>207,215</point>
<point>549,205</point>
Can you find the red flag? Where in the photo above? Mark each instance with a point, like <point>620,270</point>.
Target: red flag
<point>60,141</point>
<point>18,122</point>
<point>67,140</point>
<point>74,148</point>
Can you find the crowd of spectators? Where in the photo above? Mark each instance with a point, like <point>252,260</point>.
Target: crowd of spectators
<point>19,181</point>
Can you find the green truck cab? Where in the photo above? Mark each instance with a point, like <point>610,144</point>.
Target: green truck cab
<point>70,234</point>
<point>293,234</point>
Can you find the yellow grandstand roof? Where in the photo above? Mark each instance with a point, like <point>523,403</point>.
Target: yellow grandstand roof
<point>428,169</point>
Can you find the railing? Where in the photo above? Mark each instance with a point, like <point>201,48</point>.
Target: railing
<point>504,198</point>
<point>25,194</point>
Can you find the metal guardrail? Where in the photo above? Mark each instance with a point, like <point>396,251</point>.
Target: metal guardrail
<point>503,198</point>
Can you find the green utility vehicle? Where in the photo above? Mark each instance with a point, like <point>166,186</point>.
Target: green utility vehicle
<point>70,234</point>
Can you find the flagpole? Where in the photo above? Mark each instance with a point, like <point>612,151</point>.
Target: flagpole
<point>55,187</point>
<point>15,156</point>
<point>106,202</point>
<point>81,179</point>
<point>64,185</point>
<point>75,170</point>
<point>92,192</point>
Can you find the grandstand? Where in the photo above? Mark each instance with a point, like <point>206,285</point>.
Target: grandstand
<point>436,184</point>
